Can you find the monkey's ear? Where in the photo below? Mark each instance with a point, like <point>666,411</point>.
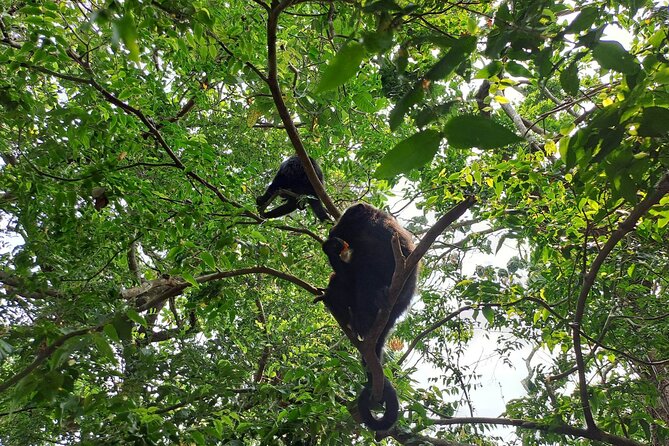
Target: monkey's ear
<point>346,253</point>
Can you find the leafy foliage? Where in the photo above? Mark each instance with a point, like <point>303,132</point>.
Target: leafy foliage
<point>144,301</point>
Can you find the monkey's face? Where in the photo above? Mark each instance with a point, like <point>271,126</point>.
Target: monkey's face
<point>346,253</point>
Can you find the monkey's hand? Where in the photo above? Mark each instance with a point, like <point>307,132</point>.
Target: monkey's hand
<point>320,297</point>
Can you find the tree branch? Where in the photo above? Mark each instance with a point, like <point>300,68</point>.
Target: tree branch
<point>403,268</point>
<point>166,288</point>
<point>44,354</point>
<point>562,429</point>
<point>661,189</point>
<point>21,288</point>
<point>291,130</point>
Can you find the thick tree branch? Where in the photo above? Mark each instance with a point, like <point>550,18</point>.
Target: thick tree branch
<point>291,130</point>
<point>411,439</point>
<point>161,289</point>
<point>533,425</point>
<point>520,125</point>
<point>165,335</point>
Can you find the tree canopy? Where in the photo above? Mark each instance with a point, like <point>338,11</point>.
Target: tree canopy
<point>144,300</point>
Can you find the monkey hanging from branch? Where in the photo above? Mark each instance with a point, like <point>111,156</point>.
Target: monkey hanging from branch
<point>360,250</point>
<point>292,185</point>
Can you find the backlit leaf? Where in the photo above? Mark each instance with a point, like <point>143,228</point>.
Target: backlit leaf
<point>413,152</point>
<point>469,131</point>
<point>342,67</point>
<point>611,55</point>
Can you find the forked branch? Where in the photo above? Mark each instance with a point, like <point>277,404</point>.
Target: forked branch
<point>403,268</point>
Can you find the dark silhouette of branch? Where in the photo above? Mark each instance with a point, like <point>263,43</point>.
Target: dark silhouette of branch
<point>20,288</point>
<point>653,197</point>
<point>24,409</point>
<point>161,289</point>
<point>6,38</point>
<point>164,335</point>
<point>301,231</point>
<point>44,354</point>
<point>132,262</point>
<point>64,76</point>
<point>291,130</point>
<point>435,326</point>
<point>568,104</point>
<point>409,438</point>
<point>264,357</point>
<point>534,425</point>
<point>403,268</point>
<point>152,128</point>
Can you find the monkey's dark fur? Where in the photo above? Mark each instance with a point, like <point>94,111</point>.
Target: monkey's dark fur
<point>292,177</point>
<point>359,287</point>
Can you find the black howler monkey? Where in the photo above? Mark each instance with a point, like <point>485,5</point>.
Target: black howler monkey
<point>292,177</point>
<point>360,251</point>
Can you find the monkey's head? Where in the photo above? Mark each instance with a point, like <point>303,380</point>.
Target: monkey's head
<point>336,247</point>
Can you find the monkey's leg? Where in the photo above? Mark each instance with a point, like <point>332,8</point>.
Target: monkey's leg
<point>369,290</point>
<point>289,206</point>
<point>318,209</point>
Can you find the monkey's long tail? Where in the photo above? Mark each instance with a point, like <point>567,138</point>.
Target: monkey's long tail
<point>390,401</point>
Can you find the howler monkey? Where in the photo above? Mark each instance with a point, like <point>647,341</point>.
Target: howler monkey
<point>291,177</point>
<point>360,251</point>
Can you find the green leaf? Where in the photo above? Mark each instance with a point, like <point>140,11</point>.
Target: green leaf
<point>490,70</point>
<point>654,122</point>
<point>378,41</point>
<point>467,131</point>
<point>111,333</point>
<point>611,55</point>
<point>103,347</point>
<point>6,349</point>
<point>431,113</point>
<point>413,152</point>
<point>208,259</point>
<point>583,20</point>
<point>452,59</point>
<point>343,67</point>
<point>518,70</point>
<point>414,96</point>
<point>123,327</point>
<point>136,317</point>
<point>198,437</point>
<point>365,102</point>
<point>127,31</point>
<point>569,79</point>
<point>382,5</point>
<point>188,277</point>
<point>489,314</point>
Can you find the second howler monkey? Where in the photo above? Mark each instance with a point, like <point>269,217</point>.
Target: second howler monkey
<point>292,177</point>
<point>359,248</point>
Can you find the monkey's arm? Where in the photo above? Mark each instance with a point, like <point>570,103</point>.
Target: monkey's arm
<point>370,295</point>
